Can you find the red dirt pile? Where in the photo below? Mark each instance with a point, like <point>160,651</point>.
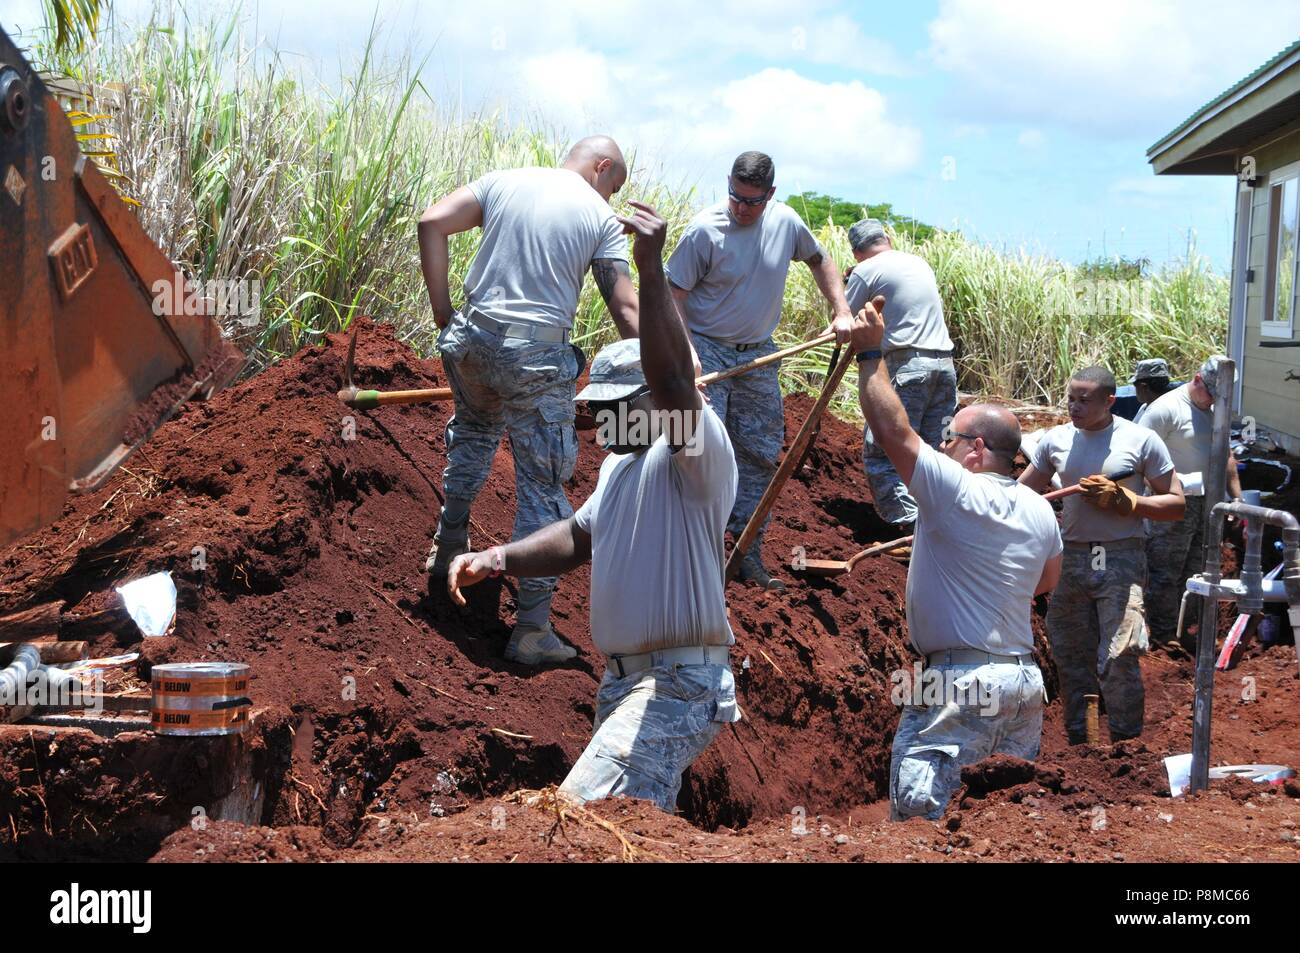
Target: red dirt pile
<point>296,529</point>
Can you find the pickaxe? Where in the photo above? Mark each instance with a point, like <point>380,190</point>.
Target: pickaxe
<point>366,399</point>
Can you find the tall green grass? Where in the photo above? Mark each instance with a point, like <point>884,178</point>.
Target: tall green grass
<point>246,168</point>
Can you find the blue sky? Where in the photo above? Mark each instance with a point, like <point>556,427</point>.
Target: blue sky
<point>1024,124</point>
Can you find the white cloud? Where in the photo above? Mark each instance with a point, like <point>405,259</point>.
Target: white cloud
<point>575,87</point>
<point>815,131</point>
<point>1109,66</point>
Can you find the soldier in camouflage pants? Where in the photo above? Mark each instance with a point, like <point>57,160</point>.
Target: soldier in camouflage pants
<point>751,407</point>
<point>524,388</point>
<point>1097,628</point>
<point>1175,552</point>
<point>927,387</point>
<point>935,740</point>
<point>650,726</point>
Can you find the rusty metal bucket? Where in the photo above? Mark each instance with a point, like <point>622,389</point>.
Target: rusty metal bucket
<point>90,366</point>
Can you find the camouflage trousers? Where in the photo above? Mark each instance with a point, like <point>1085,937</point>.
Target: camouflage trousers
<point>523,388</point>
<point>1097,627</point>
<point>650,725</point>
<point>1174,553</point>
<point>987,709</point>
<point>751,407</point>
<point>927,387</point>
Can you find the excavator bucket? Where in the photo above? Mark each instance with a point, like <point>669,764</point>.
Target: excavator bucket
<point>93,351</point>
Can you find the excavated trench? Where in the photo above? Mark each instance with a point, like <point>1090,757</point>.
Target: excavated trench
<point>296,529</point>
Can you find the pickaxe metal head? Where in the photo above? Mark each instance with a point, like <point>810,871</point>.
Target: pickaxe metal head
<point>349,392</point>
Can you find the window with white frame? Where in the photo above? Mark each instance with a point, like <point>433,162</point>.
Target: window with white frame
<point>1282,252</point>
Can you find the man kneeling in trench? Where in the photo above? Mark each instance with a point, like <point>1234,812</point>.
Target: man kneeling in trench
<point>653,531</point>
<point>985,546</point>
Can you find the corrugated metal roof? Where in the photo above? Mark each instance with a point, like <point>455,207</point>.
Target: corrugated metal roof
<point>1245,81</point>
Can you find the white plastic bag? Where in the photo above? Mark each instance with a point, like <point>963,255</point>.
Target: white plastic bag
<point>151,602</point>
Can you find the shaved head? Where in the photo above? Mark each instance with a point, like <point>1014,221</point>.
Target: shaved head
<point>591,150</point>
<point>996,425</point>
<point>599,160</point>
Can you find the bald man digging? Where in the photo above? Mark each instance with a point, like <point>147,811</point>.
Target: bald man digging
<point>984,547</point>
<point>507,352</point>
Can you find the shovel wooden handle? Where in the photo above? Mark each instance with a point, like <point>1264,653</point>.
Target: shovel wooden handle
<point>877,550</point>
<point>763,361</point>
<point>792,459</point>
<point>1075,489</point>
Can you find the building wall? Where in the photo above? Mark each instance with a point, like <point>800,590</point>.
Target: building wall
<point>1266,394</point>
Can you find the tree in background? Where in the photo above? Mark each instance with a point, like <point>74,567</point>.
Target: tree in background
<point>818,210</point>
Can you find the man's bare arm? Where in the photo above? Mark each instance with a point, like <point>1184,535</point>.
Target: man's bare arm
<point>614,279</point>
<point>551,551</point>
<point>666,353</point>
<point>831,286</point>
<point>1167,502</point>
<point>1037,480</point>
<point>679,296</point>
<point>1051,575</point>
<point>457,212</point>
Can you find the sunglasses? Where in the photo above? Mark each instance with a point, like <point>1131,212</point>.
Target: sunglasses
<point>753,203</point>
<point>954,434</point>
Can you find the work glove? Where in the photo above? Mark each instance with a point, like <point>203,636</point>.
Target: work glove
<point>1105,494</point>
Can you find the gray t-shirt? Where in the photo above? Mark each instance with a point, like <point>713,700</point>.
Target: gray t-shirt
<point>981,543</point>
<point>656,521</point>
<point>913,310</point>
<point>1186,431</point>
<point>736,273</point>
<point>1075,454</point>
<point>542,228</point>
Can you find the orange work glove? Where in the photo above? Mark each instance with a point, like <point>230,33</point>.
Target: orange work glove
<point>1105,494</point>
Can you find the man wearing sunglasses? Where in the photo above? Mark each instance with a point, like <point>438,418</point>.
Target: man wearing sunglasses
<point>984,547</point>
<point>728,277</point>
<point>653,533</point>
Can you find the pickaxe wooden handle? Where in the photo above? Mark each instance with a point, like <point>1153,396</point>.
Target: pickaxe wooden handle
<point>365,399</point>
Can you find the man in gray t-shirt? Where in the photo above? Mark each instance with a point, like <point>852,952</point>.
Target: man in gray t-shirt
<point>1096,620</point>
<point>728,277</point>
<point>916,349</point>
<point>653,532</point>
<point>507,353</point>
<point>984,547</point>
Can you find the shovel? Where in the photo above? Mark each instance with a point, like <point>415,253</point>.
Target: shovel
<point>793,458</point>
<point>835,567</point>
<point>838,567</point>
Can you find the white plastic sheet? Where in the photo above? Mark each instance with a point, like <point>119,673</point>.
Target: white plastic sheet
<point>151,602</point>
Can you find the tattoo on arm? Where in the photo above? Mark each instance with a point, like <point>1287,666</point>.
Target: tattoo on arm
<point>606,272</point>
<point>815,260</point>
